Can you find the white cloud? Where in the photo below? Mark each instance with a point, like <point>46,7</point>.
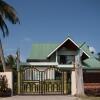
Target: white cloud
<point>92,49</point>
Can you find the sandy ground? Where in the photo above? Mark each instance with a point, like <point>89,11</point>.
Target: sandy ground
<point>52,97</point>
<point>40,98</point>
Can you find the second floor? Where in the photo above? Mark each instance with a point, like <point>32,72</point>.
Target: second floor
<point>65,53</point>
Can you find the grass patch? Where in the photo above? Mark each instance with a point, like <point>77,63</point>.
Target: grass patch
<point>89,98</point>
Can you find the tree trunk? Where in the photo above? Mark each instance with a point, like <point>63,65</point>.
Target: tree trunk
<point>79,76</point>
<point>2,57</point>
<point>79,82</point>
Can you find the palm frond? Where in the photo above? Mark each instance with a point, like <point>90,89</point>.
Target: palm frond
<point>8,12</point>
<point>10,60</point>
<point>3,27</point>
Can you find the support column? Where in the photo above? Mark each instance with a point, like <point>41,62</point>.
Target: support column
<point>73,83</point>
<point>56,57</point>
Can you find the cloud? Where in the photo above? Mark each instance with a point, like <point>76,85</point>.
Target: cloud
<point>92,49</point>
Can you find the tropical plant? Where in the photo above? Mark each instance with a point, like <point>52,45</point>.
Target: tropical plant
<point>11,61</point>
<point>7,12</point>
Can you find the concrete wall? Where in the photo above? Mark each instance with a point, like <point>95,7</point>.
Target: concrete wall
<point>73,81</point>
<point>9,78</point>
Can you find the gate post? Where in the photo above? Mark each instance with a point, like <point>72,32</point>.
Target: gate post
<point>18,82</point>
<point>73,82</point>
<point>65,82</point>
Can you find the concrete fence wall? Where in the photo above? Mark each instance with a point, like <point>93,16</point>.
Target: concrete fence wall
<point>9,78</point>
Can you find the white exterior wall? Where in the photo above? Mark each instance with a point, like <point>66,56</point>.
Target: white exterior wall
<point>9,78</point>
<point>73,83</point>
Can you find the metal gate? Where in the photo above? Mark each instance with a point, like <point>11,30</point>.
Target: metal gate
<point>51,80</point>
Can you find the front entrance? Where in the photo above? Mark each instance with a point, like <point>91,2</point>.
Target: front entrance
<point>51,80</point>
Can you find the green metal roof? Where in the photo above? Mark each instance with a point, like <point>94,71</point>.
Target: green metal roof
<point>41,50</point>
<point>91,63</point>
<point>86,49</point>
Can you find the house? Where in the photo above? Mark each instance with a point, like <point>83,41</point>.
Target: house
<point>50,68</point>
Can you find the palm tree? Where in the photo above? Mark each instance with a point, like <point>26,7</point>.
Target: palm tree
<point>11,61</point>
<point>7,12</point>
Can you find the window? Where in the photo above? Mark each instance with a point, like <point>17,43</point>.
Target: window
<point>70,59</point>
<point>66,59</point>
<point>62,59</point>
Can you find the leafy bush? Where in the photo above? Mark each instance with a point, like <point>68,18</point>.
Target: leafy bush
<point>4,90</point>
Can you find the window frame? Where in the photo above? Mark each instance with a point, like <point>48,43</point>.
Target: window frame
<point>66,59</point>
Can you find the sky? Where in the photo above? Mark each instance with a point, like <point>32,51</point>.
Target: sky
<point>48,21</point>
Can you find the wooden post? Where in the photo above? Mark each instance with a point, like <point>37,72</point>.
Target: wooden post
<point>18,82</point>
<point>18,70</point>
<point>65,82</point>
